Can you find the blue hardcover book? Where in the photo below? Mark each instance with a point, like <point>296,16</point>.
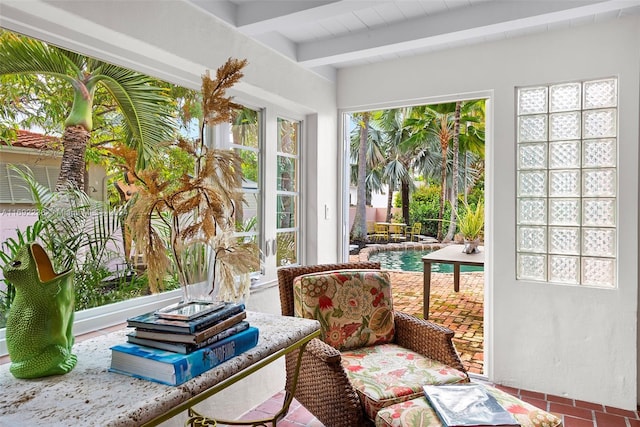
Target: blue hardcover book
<point>152,322</point>
<point>171,368</point>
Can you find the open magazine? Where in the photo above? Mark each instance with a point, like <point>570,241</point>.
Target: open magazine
<point>463,405</point>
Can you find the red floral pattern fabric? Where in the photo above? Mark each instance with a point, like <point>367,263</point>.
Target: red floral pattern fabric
<point>386,374</point>
<point>418,413</point>
<point>354,307</point>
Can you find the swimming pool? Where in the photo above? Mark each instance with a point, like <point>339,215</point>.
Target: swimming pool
<point>411,260</point>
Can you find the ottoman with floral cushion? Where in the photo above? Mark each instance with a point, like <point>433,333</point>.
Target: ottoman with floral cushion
<point>355,311</point>
<point>418,413</point>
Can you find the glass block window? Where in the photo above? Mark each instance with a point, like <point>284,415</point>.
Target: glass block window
<point>567,183</point>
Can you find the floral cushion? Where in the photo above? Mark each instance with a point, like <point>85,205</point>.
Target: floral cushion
<point>386,374</point>
<point>418,413</point>
<point>354,307</point>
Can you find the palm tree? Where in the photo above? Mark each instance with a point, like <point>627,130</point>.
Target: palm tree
<point>454,173</point>
<point>359,228</point>
<point>146,117</point>
<point>400,156</point>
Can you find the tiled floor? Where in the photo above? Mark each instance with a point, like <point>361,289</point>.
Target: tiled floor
<point>574,413</point>
<point>463,313</point>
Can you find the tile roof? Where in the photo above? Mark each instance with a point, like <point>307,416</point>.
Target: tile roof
<point>27,139</point>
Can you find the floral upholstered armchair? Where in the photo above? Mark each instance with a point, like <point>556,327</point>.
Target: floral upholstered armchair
<point>368,356</point>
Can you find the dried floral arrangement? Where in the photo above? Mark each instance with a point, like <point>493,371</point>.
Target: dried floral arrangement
<point>165,216</point>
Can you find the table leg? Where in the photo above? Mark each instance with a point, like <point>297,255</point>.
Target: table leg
<point>426,292</point>
<point>198,420</point>
<point>456,277</point>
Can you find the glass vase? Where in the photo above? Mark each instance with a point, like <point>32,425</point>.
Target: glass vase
<point>196,262</point>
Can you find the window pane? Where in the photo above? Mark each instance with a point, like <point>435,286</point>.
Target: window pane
<point>532,128</point>
<point>565,97</point>
<point>287,249</point>
<point>245,129</point>
<point>288,140</point>
<point>600,94</point>
<point>532,100</point>
<point>564,154</point>
<point>286,174</point>
<point>286,211</point>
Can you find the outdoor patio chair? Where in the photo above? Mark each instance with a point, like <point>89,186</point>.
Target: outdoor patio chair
<point>381,233</point>
<point>413,231</point>
<point>371,227</point>
<point>367,358</point>
<point>396,232</point>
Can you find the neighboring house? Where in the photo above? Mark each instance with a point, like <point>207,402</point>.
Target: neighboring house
<point>42,154</point>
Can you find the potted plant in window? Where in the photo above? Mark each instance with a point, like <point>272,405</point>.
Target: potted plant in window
<point>471,226</point>
<point>189,223</point>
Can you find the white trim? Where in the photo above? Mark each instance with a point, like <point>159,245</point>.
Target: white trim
<point>112,314</point>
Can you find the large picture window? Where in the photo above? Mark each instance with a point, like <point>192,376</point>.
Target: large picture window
<point>567,183</point>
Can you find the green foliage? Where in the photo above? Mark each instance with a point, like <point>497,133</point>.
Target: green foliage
<point>77,233</point>
<point>286,249</point>
<point>471,220</point>
<point>424,208</point>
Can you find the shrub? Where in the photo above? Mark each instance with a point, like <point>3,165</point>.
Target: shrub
<point>424,208</point>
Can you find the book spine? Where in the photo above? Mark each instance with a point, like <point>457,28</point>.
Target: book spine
<point>239,327</point>
<point>217,316</point>
<point>202,360</point>
<point>162,345</point>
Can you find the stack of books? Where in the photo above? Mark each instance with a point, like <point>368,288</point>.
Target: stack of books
<point>175,345</point>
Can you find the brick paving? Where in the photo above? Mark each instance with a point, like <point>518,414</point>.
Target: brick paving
<point>462,312</point>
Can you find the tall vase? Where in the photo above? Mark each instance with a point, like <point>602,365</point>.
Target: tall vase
<point>40,321</point>
<point>196,272</point>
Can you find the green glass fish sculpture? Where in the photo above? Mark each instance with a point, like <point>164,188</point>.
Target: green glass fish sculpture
<point>39,325</point>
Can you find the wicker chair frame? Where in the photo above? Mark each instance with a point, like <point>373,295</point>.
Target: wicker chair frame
<point>323,387</point>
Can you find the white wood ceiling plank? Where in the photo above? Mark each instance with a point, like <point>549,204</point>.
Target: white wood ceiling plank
<point>336,28</point>
<point>370,17</point>
<point>434,6</point>
<point>351,22</point>
<point>411,8</point>
<point>389,12</point>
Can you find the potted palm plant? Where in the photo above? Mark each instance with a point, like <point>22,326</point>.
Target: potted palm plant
<point>471,226</point>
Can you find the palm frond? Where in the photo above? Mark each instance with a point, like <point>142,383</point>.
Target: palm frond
<point>145,108</point>
<point>22,55</point>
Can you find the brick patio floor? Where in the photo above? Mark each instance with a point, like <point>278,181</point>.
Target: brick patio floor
<point>462,312</point>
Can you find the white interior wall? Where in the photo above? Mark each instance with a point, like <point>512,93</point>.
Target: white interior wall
<point>570,341</point>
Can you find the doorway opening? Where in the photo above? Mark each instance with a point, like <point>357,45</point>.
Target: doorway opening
<point>412,174</point>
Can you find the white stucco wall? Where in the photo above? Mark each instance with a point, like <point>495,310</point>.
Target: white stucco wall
<point>566,340</point>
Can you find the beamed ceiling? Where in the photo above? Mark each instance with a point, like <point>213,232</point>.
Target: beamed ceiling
<point>324,35</point>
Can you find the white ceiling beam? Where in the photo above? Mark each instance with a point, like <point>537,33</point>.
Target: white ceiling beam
<point>261,16</point>
<point>480,20</point>
<point>223,9</point>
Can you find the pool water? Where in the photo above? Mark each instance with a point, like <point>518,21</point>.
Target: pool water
<point>412,261</point>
